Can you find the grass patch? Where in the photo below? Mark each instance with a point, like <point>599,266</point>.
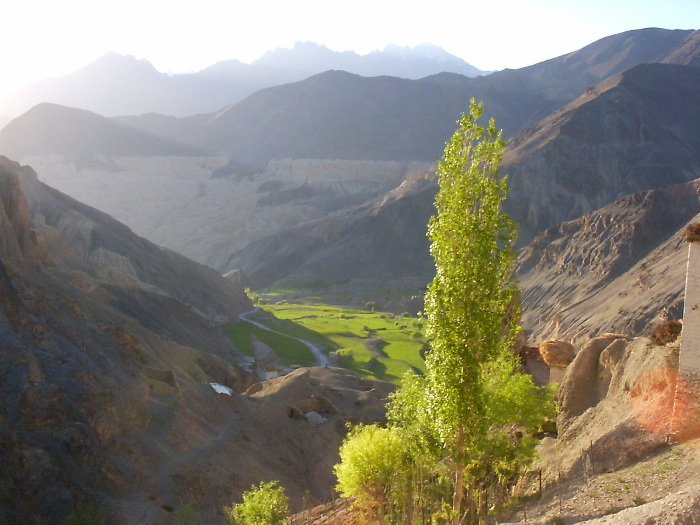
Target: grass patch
<point>667,466</point>
<point>291,351</point>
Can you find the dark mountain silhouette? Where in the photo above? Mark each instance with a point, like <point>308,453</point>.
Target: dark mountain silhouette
<point>636,131</point>
<point>340,115</point>
<point>123,85</point>
<point>81,136</point>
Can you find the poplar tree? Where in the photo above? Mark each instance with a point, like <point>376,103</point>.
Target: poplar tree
<point>474,411</point>
<point>471,306</point>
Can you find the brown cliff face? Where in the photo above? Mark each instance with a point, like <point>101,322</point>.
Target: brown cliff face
<point>618,269</point>
<point>16,240</point>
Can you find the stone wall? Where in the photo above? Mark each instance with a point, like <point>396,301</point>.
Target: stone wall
<point>686,409</point>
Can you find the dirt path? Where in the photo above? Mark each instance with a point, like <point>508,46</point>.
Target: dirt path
<point>321,359</point>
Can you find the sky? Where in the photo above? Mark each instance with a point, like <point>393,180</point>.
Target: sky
<point>48,38</point>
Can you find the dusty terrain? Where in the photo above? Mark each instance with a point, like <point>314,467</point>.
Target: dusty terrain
<point>660,489</point>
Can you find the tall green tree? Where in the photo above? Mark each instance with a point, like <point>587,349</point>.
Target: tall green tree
<point>472,416</point>
<point>471,305</point>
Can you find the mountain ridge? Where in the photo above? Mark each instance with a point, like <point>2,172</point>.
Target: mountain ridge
<point>117,84</point>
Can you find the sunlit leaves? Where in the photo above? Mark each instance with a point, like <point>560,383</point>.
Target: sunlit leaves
<point>265,504</point>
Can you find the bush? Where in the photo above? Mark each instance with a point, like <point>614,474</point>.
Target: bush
<point>185,515</point>
<point>666,332</point>
<point>266,504</point>
<point>374,469</point>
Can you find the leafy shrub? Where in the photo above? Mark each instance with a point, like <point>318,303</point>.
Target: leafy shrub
<point>185,515</point>
<point>374,469</point>
<point>266,504</point>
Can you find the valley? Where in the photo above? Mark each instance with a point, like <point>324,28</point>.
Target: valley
<point>135,246</point>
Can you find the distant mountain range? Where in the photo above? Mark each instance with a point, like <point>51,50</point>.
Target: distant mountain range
<point>314,178</point>
<point>122,85</point>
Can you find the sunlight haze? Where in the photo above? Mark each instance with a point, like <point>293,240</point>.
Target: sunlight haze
<point>41,39</point>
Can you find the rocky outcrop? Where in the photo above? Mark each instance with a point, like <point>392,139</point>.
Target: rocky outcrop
<point>615,405</point>
<point>15,237</point>
<point>588,377</point>
<point>557,354</point>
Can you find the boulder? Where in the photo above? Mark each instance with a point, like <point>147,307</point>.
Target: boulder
<point>556,353</point>
<point>579,390</point>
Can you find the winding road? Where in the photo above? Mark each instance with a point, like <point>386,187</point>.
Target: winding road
<point>321,359</point>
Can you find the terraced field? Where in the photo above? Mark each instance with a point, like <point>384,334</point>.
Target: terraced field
<point>371,343</point>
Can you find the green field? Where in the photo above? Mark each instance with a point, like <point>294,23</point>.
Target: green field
<point>291,351</point>
<point>373,344</point>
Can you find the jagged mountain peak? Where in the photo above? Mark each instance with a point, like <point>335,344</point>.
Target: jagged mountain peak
<point>113,62</point>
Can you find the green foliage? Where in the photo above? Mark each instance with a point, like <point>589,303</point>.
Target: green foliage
<point>374,469</point>
<point>470,304</point>
<point>346,329</point>
<point>185,515</point>
<point>265,504</point>
<point>465,428</point>
<point>291,351</point>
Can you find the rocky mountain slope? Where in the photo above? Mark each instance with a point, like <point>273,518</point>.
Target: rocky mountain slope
<point>123,85</point>
<point>619,269</point>
<point>382,241</point>
<point>109,344</point>
<point>636,131</point>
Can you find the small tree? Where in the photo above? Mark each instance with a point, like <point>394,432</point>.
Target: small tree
<point>373,469</point>
<point>265,504</point>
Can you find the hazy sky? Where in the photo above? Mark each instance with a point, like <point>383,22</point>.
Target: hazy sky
<point>43,38</point>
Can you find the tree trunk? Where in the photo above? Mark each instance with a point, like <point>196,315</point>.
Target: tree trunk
<point>459,478</point>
